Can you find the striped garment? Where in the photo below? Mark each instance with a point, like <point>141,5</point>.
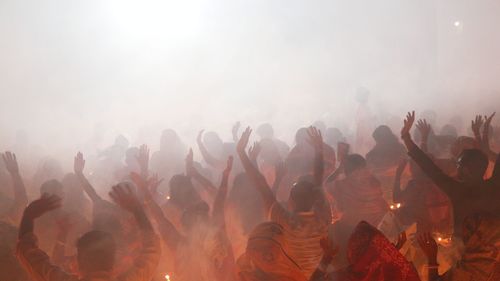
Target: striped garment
<point>303,232</point>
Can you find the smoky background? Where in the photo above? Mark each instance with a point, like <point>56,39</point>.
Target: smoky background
<point>75,74</point>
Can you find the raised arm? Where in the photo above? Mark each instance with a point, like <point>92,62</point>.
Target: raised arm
<point>443,181</point>
<point>143,160</point>
<point>485,143</point>
<point>146,262</point>
<point>168,232</point>
<point>316,141</point>
<point>197,176</point>
<point>280,171</point>
<point>234,131</point>
<point>33,259</point>
<point>253,153</point>
<point>476,125</point>
<point>397,193</point>
<point>20,196</point>
<point>209,158</point>
<point>253,173</point>
<point>220,198</point>
<point>79,165</point>
<point>342,152</point>
<point>425,129</point>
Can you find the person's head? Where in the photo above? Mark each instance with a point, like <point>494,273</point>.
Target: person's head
<point>212,141</point>
<point>121,141</point>
<point>182,191</point>
<point>449,130</point>
<point>269,151</point>
<point>303,195</point>
<point>131,157</point>
<point>462,143</point>
<point>471,165</point>
<point>195,214</point>
<point>354,162</point>
<point>333,136</point>
<point>267,249</point>
<point>168,139</point>
<point>52,187</point>
<point>301,136</point>
<point>265,131</point>
<point>96,252</point>
<point>384,135</point>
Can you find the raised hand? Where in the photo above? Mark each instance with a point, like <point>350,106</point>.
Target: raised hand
<point>315,138</point>
<point>408,123</point>
<point>190,169</point>
<point>124,196</point>
<point>429,246</point>
<point>243,142</point>
<point>424,128</point>
<point>229,167</point>
<point>401,240</point>
<point>199,138</point>
<point>488,119</point>
<point>476,125</point>
<point>234,131</point>
<point>79,164</point>
<point>148,186</point>
<point>45,204</point>
<point>254,151</point>
<point>10,162</point>
<point>143,158</point>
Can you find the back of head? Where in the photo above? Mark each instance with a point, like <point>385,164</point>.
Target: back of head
<point>96,252</point>
<point>473,163</point>
<point>52,187</point>
<point>301,136</point>
<point>182,190</point>
<point>195,214</point>
<point>384,135</point>
<point>303,195</point>
<point>265,131</point>
<point>353,162</point>
<point>462,143</point>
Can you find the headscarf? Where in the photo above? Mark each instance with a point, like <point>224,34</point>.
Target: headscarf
<point>359,197</point>
<point>481,259</point>
<point>373,258</point>
<point>273,265</point>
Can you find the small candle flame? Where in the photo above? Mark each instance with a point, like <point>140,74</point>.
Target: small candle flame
<point>167,277</point>
<point>168,197</point>
<point>395,206</point>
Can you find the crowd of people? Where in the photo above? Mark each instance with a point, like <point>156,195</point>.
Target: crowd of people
<point>262,211</point>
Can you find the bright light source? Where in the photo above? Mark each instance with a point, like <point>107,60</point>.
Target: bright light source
<point>457,24</point>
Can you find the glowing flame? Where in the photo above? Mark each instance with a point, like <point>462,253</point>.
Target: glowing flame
<point>168,198</point>
<point>167,277</point>
<point>395,206</point>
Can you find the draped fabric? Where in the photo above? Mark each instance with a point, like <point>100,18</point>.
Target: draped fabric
<point>481,259</point>
<point>373,258</point>
<point>359,197</point>
<point>267,258</point>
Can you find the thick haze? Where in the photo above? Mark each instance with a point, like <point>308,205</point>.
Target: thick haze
<point>80,72</point>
